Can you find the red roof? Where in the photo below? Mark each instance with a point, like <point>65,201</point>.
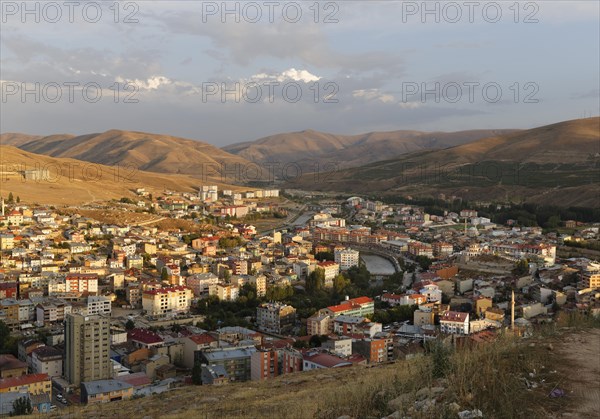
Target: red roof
<point>351,304</point>
<point>454,316</point>
<point>146,336</point>
<point>23,380</point>
<point>326,263</point>
<point>202,339</point>
<point>166,290</point>
<point>137,379</point>
<point>327,360</point>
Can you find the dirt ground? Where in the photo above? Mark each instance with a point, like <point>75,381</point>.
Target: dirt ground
<point>581,351</point>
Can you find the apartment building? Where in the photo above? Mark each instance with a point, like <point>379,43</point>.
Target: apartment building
<point>87,345</point>
<point>163,301</point>
<point>275,317</point>
<point>346,258</point>
<point>264,364</point>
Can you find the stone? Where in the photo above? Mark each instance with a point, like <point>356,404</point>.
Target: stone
<point>423,393</point>
<point>454,407</point>
<point>395,415</point>
<point>399,402</point>
<point>437,390</point>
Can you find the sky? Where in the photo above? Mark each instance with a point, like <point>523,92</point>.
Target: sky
<point>226,72</point>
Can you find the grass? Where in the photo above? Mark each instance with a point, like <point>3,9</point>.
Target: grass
<point>492,377</point>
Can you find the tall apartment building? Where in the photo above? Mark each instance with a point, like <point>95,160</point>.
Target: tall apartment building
<point>87,345</point>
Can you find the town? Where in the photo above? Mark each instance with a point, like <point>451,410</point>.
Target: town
<point>266,283</point>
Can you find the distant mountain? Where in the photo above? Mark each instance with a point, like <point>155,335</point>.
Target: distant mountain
<point>71,181</point>
<point>312,149</point>
<point>144,151</point>
<point>555,164</point>
<point>16,139</point>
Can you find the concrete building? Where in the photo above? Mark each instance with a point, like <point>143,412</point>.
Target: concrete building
<point>104,391</point>
<point>275,317</point>
<point>163,301</point>
<point>346,258</point>
<point>264,365</point>
<point>87,345</point>
<point>47,360</point>
<point>454,322</point>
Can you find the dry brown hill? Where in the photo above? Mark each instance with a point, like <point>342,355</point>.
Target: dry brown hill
<point>71,181</point>
<point>144,151</point>
<point>309,147</point>
<point>555,164</point>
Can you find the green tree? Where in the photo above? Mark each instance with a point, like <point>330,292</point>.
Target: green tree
<point>129,324</point>
<point>340,283</point>
<point>22,406</point>
<point>521,268</point>
<point>197,374</point>
<point>424,262</point>
<point>164,276</point>
<point>18,199</point>
<point>315,281</point>
<point>11,198</point>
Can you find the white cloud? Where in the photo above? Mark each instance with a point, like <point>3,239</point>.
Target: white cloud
<point>292,74</point>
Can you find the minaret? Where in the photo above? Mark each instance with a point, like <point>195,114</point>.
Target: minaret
<point>2,207</point>
<point>512,312</point>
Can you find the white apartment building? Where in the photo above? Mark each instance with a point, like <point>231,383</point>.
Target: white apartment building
<point>346,258</point>
<point>167,300</point>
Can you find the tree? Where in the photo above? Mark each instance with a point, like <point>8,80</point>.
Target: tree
<point>521,268</point>
<point>315,341</point>
<point>22,406</point>
<point>197,374</point>
<point>315,281</point>
<point>129,324</point>
<point>11,199</point>
<point>164,275</point>
<point>424,262</point>
<point>340,283</point>
<point>18,199</point>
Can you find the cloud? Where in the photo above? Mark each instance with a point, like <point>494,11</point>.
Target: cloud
<point>291,74</point>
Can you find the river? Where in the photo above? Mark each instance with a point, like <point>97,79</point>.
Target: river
<point>377,265</point>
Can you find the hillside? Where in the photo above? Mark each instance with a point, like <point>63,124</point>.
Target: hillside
<point>555,164</point>
<point>496,379</point>
<point>144,151</point>
<point>71,181</point>
<point>16,139</point>
<point>309,147</point>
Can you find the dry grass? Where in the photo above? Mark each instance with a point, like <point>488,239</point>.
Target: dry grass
<point>492,378</point>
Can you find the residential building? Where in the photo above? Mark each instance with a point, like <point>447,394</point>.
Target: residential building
<point>454,322</point>
<point>194,344</point>
<point>200,284</point>
<point>339,345</point>
<point>375,350</point>
<point>275,317</point>
<point>11,366</point>
<point>264,365</point>
<point>87,345</point>
<point>360,306</point>
<point>169,300</point>
<point>235,360</point>
<point>32,383</point>
<point>98,305</point>
<point>319,324</point>
<point>104,391</point>
<point>346,258</point>
<point>82,283</point>
<point>318,360</point>
<point>47,360</point>
<point>53,311</point>
<point>330,271</point>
